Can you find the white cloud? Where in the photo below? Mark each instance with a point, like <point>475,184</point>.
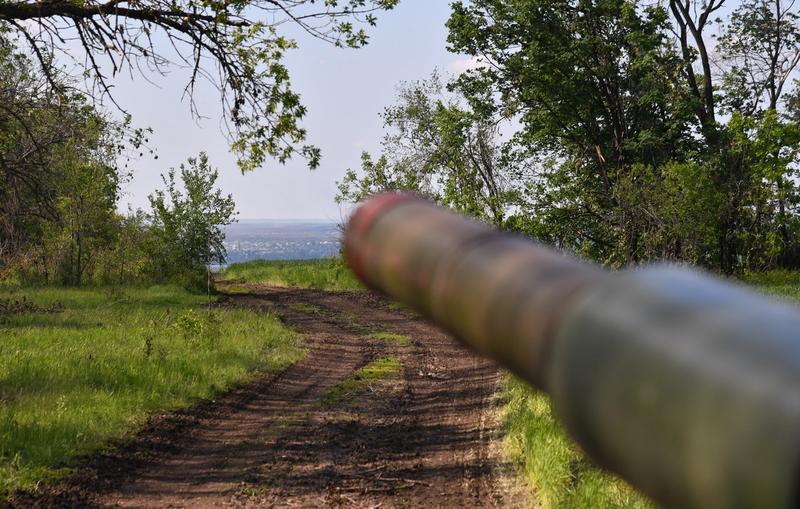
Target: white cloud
<point>465,64</point>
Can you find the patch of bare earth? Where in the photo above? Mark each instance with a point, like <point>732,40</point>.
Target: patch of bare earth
<point>419,438</point>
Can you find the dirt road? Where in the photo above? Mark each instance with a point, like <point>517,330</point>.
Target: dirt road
<point>419,438</point>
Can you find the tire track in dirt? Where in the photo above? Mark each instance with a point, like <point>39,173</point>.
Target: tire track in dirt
<point>418,439</point>
<point>422,440</point>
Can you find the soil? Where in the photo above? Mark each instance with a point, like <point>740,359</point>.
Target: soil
<point>424,437</point>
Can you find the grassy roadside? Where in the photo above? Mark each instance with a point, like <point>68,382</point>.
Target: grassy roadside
<point>778,283</point>
<point>324,274</point>
<point>549,461</point>
<point>93,370</point>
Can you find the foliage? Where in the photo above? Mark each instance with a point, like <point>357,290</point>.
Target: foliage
<point>760,42</point>
<point>592,85</point>
<point>438,147</point>
<point>58,177</point>
<point>187,223</point>
<point>85,208</point>
<point>96,370</point>
<point>325,274</point>
<point>128,257</point>
<point>627,142</point>
<point>765,151</point>
<point>236,45</point>
<point>198,329</point>
<point>87,241</point>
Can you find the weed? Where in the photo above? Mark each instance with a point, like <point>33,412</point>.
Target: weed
<point>390,336</point>
<point>376,370</point>
<point>783,284</point>
<point>303,307</point>
<point>115,294</point>
<point>236,289</point>
<point>23,305</point>
<point>199,329</point>
<point>354,322</point>
<point>148,345</point>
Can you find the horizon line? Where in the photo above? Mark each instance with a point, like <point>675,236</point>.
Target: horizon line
<point>311,220</point>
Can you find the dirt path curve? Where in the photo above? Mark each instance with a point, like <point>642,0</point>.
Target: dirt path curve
<point>421,438</point>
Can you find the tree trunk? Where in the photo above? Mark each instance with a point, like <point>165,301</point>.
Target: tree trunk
<point>782,228</point>
<point>78,268</point>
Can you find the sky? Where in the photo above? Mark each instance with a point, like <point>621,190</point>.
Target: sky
<point>344,90</point>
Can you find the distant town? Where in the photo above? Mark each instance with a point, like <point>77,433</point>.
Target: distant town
<point>271,239</point>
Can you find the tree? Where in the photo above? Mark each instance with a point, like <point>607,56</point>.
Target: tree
<point>86,224</point>
<point>437,146</point>
<point>591,83</point>
<point>760,47</point>
<point>58,179</point>
<point>768,148</point>
<point>648,147</point>
<point>758,51</point>
<point>187,224</point>
<point>691,19</point>
<point>126,259</point>
<point>235,44</point>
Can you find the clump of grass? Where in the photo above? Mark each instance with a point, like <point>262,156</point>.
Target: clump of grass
<point>23,305</point>
<point>376,370</point>
<point>390,336</point>
<point>324,274</point>
<point>551,463</point>
<point>304,307</point>
<point>72,381</point>
<point>235,288</point>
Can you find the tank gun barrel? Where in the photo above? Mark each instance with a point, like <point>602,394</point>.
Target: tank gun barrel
<point>686,386</point>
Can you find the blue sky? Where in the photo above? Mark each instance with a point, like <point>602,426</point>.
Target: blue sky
<point>344,90</point>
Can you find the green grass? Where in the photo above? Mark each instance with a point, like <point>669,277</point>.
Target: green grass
<point>303,307</point>
<point>73,382</point>
<point>376,370</point>
<point>390,336</point>
<point>396,306</point>
<point>779,283</point>
<point>325,274</point>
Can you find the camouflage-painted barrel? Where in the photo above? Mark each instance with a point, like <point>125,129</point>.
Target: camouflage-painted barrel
<point>686,386</point>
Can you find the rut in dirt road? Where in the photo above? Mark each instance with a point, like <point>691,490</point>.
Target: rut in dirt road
<point>420,438</point>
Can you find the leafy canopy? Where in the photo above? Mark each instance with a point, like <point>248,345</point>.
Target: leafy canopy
<point>237,45</point>
<point>438,146</point>
<point>654,142</point>
<point>188,222</point>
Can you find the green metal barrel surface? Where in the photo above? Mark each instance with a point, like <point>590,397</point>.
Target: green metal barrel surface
<point>687,387</point>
